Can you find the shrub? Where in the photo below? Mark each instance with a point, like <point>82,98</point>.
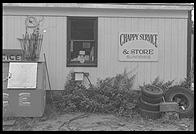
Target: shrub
<point>186,83</point>
<point>160,83</point>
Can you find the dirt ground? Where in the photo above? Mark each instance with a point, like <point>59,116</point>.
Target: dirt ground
<point>99,122</point>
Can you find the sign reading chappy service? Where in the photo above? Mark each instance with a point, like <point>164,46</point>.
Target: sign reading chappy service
<point>138,46</point>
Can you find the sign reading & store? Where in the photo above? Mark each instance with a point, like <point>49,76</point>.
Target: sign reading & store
<point>138,46</point>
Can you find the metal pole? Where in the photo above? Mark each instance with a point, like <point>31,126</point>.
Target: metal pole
<point>47,71</point>
<point>48,78</point>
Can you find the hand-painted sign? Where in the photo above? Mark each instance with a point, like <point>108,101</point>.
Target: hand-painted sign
<point>12,55</point>
<point>138,46</point>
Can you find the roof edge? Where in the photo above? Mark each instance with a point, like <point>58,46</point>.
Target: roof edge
<point>152,6</point>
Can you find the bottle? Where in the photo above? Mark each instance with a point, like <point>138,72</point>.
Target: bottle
<point>92,54</point>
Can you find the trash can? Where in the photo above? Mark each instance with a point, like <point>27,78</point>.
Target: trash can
<point>24,89</point>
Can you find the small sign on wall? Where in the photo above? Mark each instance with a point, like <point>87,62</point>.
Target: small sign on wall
<point>138,46</point>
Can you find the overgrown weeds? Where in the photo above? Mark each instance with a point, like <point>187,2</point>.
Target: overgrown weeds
<point>165,85</point>
<point>114,95</point>
<point>159,83</point>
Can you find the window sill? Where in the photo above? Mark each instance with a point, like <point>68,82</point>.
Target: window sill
<point>81,65</point>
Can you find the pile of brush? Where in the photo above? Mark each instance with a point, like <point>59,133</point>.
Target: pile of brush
<point>111,95</point>
<point>31,46</point>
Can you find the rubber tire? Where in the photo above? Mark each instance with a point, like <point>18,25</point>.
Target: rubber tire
<point>148,106</point>
<point>151,100</point>
<point>152,94</point>
<point>149,114</point>
<point>170,93</point>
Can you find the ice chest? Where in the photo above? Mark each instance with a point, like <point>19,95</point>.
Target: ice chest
<point>24,89</point>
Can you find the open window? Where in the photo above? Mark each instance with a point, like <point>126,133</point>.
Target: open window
<point>82,42</point>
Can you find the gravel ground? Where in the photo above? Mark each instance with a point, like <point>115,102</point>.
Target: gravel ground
<point>99,122</point>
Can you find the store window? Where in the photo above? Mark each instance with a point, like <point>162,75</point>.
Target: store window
<point>82,42</point>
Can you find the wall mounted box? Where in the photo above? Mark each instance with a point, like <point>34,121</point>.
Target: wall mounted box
<point>79,76</point>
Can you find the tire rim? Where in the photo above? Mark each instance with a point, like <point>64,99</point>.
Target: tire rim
<point>182,101</point>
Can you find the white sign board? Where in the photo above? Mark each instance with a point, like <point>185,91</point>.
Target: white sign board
<point>22,75</point>
<point>138,46</point>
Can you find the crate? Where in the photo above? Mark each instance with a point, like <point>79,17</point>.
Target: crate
<point>169,107</point>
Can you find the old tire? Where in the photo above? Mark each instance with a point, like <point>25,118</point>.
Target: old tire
<point>149,114</point>
<point>148,106</point>
<point>151,100</point>
<point>152,92</point>
<point>184,97</point>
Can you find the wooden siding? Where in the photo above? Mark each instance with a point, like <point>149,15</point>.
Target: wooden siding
<point>172,36</point>
<point>172,43</point>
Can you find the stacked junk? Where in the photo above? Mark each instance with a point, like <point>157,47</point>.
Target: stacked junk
<point>149,102</point>
<point>154,101</point>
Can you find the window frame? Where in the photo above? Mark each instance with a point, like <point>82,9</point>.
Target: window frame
<point>69,64</point>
